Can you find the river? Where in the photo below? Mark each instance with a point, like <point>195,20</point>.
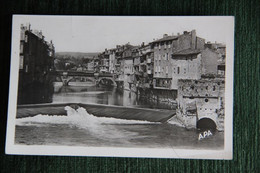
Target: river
<point>83,129</point>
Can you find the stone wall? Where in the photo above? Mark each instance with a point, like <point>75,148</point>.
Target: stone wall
<point>199,99</point>
<point>166,98</point>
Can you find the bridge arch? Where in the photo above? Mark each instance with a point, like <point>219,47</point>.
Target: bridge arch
<point>206,123</point>
<point>107,78</point>
<point>69,79</point>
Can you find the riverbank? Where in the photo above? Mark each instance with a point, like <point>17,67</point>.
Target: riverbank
<point>163,96</point>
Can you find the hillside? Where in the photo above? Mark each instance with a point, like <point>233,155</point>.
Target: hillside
<point>72,60</point>
<point>87,55</point>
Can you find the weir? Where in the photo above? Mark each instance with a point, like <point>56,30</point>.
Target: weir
<point>99,110</point>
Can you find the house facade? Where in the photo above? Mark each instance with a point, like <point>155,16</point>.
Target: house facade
<point>166,52</point>
<point>185,64</point>
<point>36,61</point>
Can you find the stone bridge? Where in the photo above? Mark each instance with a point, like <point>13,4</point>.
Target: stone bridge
<point>85,76</point>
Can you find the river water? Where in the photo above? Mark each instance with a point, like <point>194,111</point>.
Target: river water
<point>79,128</point>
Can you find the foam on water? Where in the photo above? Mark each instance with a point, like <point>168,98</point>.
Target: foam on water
<point>80,118</point>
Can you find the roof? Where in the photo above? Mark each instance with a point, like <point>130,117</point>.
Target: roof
<point>167,38</point>
<point>135,47</point>
<point>187,52</point>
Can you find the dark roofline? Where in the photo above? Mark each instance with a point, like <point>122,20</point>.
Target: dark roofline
<point>187,52</point>
<point>165,39</point>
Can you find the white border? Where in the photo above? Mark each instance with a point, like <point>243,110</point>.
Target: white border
<point>226,153</point>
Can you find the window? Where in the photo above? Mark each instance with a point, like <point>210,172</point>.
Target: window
<point>178,70</point>
<point>167,56</point>
<point>22,35</point>
<point>166,69</point>
<point>26,69</point>
<point>21,62</point>
<point>173,69</point>
<point>26,38</point>
<point>21,48</point>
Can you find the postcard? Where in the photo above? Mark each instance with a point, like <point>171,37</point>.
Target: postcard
<point>121,86</point>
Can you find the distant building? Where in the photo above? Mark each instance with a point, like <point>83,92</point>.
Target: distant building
<point>36,63</point>
<point>112,60</point>
<point>90,65</point>
<point>104,61</point>
<point>96,63</point>
<point>146,65</point>
<point>127,63</point>
<point>119,67</point>
<point>136,56</point>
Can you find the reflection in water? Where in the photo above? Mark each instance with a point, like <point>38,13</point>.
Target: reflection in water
<point>35,92</point>
<point>101,95</point>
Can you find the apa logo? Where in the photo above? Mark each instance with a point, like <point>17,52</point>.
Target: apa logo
<point>205,134</point>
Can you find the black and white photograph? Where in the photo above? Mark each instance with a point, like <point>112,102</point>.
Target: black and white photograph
<point>121,86</point>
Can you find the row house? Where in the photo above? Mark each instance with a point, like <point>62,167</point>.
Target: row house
<point>104,61</point>
<point>136,56</point>
<point>112,61</point>
<point>146,65</point>
<point>165,65</point>
<point>96,62</point>
<point>36,61</point>
<point>127,65</point>
<point>185,64</point>
<point>161,63</point>
<point>121,64</point>
<point>90,65</point>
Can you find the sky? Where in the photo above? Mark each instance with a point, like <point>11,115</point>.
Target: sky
<point>95,33</point>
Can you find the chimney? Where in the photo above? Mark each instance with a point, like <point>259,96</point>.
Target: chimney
<point>185,32</point>
<point>178,34</point>
<point>193,39</point>
<point>40,34</point>
<point>165,35</point>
